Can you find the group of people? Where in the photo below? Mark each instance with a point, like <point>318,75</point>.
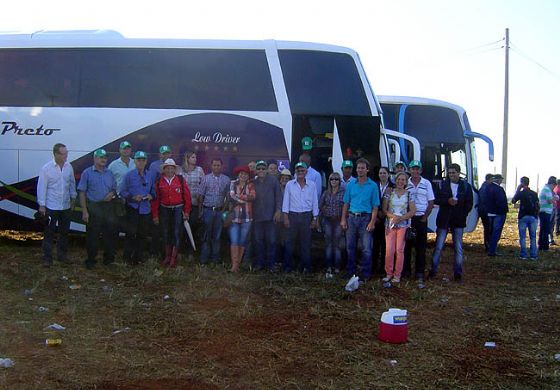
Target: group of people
<point>261,207</point>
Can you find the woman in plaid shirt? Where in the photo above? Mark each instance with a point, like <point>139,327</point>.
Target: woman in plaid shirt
<point>242,195</point>
<point>330,207</point>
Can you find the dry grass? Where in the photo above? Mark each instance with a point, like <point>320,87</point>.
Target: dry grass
<point>276,331</point>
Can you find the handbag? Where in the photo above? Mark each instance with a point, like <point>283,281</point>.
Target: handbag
<point>227,218</point>
<point>410,234</point>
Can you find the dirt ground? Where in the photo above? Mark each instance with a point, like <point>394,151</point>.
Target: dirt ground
<point>256,330</point>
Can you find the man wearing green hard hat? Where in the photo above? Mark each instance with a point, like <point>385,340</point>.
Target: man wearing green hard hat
<point>421,191</point>
<point>137,189</point>
<point>347,168</point>
<point>97,189</point>
<point>155,166</point>
<point>122,165</point>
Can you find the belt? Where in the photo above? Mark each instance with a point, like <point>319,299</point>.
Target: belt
<point>302,213</point>
<point>171,206</point>
<point>359,214</point>
<point>213,208</point>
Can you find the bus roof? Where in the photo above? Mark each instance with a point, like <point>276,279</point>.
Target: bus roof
<point>111,38</point>
<point>419,101</point>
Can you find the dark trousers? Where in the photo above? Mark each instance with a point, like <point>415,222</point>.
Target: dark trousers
<point>419,245</point>
<point>138,226</point>
<point>265,243</point>
<point>378,253</point>
<point>101,224</point>
<point>497,224</point>
<point>171,223</point>
<point>212,233</point>
<point>60,218</point>
<point>487,230</point>
<point>544,230</point>
<point>300,229</point>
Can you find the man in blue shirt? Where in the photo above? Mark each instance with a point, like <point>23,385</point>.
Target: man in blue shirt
<point>301,208</point>
<point>137,189</point>
<point>155,166</point>
<point>97,190</point>
<point>267,210</point>
<point>361,201</point>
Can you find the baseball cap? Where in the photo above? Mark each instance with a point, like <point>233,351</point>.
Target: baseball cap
<point>347,163</point>
<point>165,149</point>
<point>400,163</point>
<point>415,164</point>
<point>306,143</point>
<point>141,155</point>
<point>261,162</point>
<point>301,165</point>
<point>125,144</point>
<point>100,153</point>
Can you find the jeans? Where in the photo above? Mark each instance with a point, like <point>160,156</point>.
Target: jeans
<point>528,222</point>
<point>419,245</point>
<point>497,224</point>
<point>487,230</point>
<point>138,226</point>
<point>265,244</point>
<point>60,218</point>
<point>333,234</point>
<point>457,235</point>
<point>357,230</point>
<point>212,232</point>
<point>300,228</point>
<point>544,230</point>
<point>171,222</point>
<point>101,223</point>
<point>394,243</point>
<point>238,232</point>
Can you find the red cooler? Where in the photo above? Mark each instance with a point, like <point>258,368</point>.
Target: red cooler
<point>393,327</point>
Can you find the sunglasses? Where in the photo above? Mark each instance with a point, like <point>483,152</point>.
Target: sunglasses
<point>333,179</point>
<point>261,169</point>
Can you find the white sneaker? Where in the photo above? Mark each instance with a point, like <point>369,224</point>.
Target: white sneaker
<point>387,278</point>
<point>396,280</point>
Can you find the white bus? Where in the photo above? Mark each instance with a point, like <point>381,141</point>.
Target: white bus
<point>237,100</point>
<point>445,137</point>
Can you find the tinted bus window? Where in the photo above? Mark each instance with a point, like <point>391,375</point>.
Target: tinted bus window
<point>323,83</point>
<point>391,116</point>
<point>433,125</point>
<point>38,78</point>
<point>210,79</point>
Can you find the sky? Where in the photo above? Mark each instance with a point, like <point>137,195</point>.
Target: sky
<point>448,50</point>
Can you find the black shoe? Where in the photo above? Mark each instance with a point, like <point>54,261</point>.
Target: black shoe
<point>432,275</point>
<point>458,278</point>
<point>47,263</point>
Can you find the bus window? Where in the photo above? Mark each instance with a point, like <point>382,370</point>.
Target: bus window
<point>212,79</point>
<point>38,77</point>
<point>359,137</point>
<point>323,83</point>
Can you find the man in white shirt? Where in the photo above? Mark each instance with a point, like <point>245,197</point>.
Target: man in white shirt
<point>422,193</point>
<point>56,195</point>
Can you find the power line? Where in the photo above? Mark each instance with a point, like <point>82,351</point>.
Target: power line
<point>516,49</point>
<point>485,45</point>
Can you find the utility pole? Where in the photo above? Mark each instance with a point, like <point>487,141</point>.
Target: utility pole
<point>506,111</point>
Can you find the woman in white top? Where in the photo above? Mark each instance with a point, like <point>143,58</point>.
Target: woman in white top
<point>399,207</point>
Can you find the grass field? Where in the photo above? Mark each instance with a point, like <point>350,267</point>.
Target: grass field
<point>260,331</point>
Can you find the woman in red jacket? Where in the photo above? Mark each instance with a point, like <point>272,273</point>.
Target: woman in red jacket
<point>172,205</point>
